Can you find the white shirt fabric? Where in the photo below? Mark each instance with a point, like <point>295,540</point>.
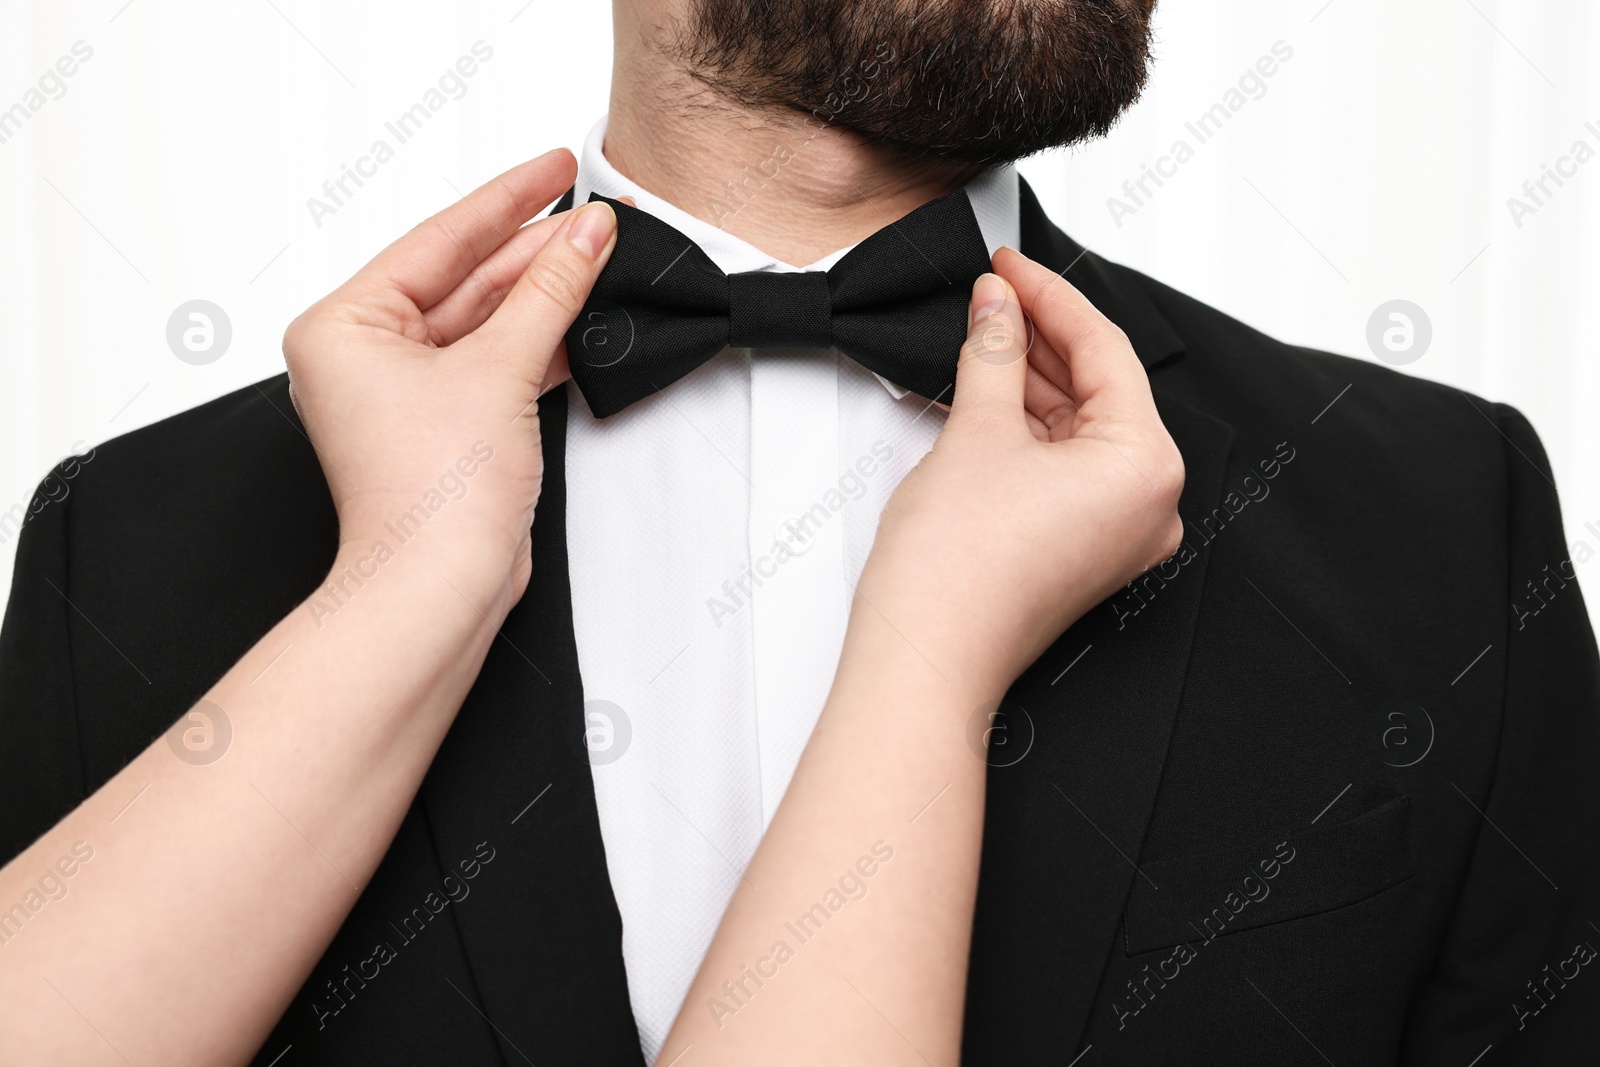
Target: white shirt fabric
<point>715,531</point>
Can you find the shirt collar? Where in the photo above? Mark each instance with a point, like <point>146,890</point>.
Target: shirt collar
<point>995,197</point>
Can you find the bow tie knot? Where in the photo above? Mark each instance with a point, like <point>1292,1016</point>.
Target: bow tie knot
<point>767,310</point>
<point>896,304</point>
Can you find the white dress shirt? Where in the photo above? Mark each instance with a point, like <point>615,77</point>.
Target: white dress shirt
<point>706,649</point>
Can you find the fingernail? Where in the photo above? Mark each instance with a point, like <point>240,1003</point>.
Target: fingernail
<point>988,296</point>
<point>592,226</point>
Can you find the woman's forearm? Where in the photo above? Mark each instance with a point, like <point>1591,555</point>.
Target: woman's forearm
<point>280,804</point>
<point>846,941</point>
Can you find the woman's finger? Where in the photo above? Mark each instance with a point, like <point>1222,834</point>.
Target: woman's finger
<point>1048,406</point>
<point>992,369</point>
<point>530,324</point>
<point>1105,372</point>
<point>1045,360</point>
<point>428,263</point>
<point>470,304</point>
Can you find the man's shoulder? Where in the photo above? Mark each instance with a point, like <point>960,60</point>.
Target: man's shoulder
<point>1378,456</point>
<point>246,434</point>
<point>236,471</point>
<point>1254,381</point>
<point>179,544</point>
<point>259,418</point>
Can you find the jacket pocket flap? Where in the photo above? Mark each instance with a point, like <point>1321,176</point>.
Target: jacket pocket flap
<point>1201,895</point>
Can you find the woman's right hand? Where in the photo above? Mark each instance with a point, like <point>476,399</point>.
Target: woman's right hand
<point>1052,484</point>
<point>429,363</point>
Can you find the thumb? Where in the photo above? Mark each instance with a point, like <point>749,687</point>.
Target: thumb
<point>530,323</point>
<point>992,372</point>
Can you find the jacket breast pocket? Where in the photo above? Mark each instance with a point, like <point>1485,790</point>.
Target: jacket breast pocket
<point>1202,895</point>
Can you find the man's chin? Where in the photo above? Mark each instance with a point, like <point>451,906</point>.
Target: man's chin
<point>923,81</point>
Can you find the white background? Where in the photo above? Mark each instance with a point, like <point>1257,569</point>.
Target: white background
<point>1376,165</point>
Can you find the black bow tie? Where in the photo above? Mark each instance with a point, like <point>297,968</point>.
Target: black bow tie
<point>896,303</point>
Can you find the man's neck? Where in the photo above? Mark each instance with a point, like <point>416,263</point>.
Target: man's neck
<point>789,184</point>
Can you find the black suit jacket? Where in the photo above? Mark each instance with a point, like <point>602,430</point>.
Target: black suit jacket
<point>1319,790</point>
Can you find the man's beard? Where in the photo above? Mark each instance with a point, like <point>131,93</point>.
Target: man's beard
<point>964,81</point>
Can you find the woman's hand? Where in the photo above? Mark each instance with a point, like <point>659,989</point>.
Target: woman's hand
<point>418,379</point>
<point>1052,484</point>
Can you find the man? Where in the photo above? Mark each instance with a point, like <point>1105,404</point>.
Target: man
<point>1317,789</point>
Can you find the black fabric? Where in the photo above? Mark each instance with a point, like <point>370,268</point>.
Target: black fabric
<point>1200,896</point>
<point>1399,549</point>
<point>767,310</point>
<point>896,303</point>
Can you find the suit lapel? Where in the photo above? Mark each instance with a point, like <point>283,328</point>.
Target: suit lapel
<point>1117,296</point>
<point>541,930</point>
<point>1066,822</point>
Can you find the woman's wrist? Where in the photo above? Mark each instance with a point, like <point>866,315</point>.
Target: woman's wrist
<point>428,574</point>
<point>921,657</point>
